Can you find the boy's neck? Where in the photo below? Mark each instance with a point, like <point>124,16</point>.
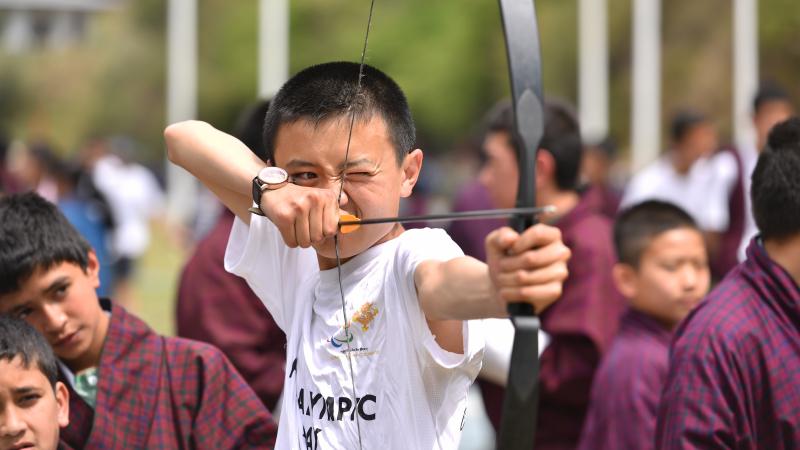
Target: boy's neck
<point>564,201</point>
<point>785,252</point>
<point>326,263</point>
<point>91,357</point>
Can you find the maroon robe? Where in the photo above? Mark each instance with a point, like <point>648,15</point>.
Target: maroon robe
<point>627,387</point>
<point>727,256</point>
<point>733,379</point>
<point>156,392</point>
<point>218,307</point>
<point>603,199</point>
<point>581,324</point>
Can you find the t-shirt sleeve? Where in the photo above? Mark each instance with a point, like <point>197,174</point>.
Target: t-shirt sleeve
<point>273,271</point>
<point>415,247</point>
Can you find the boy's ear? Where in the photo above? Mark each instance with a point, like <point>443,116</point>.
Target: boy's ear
<point>62,400</point>
<point>412,165</point>
<point>93,269</point>
<point>545,165</point>
<point>625,277</point>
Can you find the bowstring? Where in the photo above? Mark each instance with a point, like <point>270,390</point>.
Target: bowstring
<point>336,236</point>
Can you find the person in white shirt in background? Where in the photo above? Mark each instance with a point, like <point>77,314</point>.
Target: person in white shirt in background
<point>135,197</point>
<point>690,174</point>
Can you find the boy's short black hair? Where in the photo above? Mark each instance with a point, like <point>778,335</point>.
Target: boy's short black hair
<point>775,189</point>
<point>638,225</point>
<point>34,235</point>
<point>685,121</point>
<point>769,92</point>
<point>562,137</point>
<point>330,90</point>
<point>20,340</point>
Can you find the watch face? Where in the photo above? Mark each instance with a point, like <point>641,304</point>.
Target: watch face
<point>272,175</point>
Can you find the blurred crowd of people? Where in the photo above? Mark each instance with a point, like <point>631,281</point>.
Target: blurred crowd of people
<point>105,193</point>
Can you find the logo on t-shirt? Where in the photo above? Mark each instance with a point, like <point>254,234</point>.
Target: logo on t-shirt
<point>364,316</point>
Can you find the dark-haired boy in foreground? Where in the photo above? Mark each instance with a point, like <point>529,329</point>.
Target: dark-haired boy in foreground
<point>381,353</point>
<point>663,272</point>
<point>33,403</point>
<point>129,387</point>
<point>733,379</point>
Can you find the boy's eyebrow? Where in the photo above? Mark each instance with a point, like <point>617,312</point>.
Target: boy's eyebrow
<point>295,163</point>
<point>299,163</point>
<point>358,162</point>
<point>25,390</point>
<point>57,283</point>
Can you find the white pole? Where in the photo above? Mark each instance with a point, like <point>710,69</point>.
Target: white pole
<point>273,46</point>
<point>181,100</point>
<point>593,69</point>
<point>745,69</point>
<point>646,94</point>
<point>18,31</point>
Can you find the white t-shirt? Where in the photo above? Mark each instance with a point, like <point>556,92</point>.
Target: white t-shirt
<point>703,192</point>
<point>409,392</point>
<point>749,156</point>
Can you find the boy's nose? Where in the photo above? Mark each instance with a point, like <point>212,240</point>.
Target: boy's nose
<point>54,318</point>
<point>11,425</point>
<point>690,277</point>
<point>343,198</point>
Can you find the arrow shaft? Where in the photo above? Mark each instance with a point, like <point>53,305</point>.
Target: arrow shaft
<point>466,215</point>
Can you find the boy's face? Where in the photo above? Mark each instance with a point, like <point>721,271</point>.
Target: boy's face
<point>31,411</point>
<point>61,303</point>
<point>500,174</point>
<point>768,115</point>
<point>672,278</point>
<point>314,157</point>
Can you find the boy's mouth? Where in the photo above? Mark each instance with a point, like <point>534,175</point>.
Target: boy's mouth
<point>22,446</point>
<point>67,340</point>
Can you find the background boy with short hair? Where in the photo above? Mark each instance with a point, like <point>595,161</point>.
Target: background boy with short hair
<point>33,403</point>
<point>663,272</point>
<point>130,388</point>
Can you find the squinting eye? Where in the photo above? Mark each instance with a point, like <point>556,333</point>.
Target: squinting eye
<point>303,176</point>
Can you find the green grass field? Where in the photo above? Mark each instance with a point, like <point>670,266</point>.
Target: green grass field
<point>155,284</point>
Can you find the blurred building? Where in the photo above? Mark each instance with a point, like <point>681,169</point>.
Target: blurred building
<point>29,24</point>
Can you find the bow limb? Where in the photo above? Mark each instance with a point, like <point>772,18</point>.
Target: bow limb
<point>518,425</point>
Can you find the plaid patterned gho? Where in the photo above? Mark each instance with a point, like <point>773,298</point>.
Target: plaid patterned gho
<point>165,393</point>
<point>734,378</point>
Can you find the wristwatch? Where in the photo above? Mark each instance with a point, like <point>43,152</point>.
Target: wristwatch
<point>268,179</point>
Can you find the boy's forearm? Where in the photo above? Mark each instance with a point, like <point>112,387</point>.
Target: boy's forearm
<point>458,289</point>
<point>220,161</point>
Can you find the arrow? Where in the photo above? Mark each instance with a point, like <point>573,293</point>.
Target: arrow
<point>349,223</point>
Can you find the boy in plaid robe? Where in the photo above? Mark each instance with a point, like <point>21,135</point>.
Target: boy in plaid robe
<point>732,380</point>
<point>129,387</point>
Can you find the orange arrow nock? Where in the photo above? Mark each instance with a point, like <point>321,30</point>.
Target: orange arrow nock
<point>350,223</point>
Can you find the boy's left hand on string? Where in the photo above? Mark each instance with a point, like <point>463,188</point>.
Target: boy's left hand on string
<point>530,267</point>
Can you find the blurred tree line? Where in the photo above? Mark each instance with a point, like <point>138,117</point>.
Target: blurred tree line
<point>449,57</point>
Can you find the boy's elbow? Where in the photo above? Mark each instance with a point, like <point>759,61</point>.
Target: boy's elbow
<point>175,136</point>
